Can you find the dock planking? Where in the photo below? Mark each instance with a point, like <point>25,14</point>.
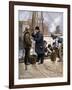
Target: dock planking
<point>45,70</point>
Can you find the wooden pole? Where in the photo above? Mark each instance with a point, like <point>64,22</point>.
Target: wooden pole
<point>33,20</point>
<point>42,22</point>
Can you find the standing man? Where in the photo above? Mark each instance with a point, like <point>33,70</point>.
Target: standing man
<point>27,46</point>
<point>39,44</point>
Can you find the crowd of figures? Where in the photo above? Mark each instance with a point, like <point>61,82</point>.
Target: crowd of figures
<point>42,49</point>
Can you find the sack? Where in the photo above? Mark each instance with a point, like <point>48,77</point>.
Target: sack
<point>33,59</point>
<point>53,56</point>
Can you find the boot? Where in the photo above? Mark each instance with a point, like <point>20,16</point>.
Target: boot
<point>25,67</point>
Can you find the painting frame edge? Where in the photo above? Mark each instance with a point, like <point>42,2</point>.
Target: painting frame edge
<point>11,43</point>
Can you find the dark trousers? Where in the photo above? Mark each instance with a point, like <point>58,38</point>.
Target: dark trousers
<point>40,58</point>
<point>27,55</point>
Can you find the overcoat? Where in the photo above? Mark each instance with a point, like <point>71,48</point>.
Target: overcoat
<point>39,43</point>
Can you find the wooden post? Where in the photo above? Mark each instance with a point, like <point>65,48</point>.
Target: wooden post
<point>42,22</point>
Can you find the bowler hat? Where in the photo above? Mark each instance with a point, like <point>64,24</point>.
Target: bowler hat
<point>37,28</point>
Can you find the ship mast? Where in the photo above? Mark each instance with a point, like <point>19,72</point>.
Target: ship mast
<point>37,20</point>
<point>42,22</point>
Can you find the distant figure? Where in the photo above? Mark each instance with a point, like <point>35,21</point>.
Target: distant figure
<point>39,44</point>
<point>27,46</point>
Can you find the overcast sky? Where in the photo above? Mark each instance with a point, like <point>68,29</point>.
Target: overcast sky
<point>52,19</point>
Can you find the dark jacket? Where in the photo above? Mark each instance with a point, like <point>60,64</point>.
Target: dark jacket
<point>39,45</point>
<point>26,40</point>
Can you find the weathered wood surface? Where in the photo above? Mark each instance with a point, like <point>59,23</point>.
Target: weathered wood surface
<point>48,69</point>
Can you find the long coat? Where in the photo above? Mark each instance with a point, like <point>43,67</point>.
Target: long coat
<point>27,40</point>
<point>39,44</point>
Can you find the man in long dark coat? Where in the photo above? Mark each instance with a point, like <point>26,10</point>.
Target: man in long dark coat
<point>39,44</point>
<point>27,46</point>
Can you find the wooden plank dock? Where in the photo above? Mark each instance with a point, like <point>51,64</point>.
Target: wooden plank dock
<point>45,70</point>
